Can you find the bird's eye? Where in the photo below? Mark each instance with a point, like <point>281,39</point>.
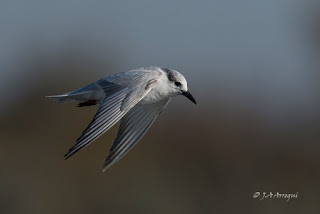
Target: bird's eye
<point>177,84</point>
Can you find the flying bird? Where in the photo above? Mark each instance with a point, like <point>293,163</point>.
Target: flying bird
<point>134,97</point>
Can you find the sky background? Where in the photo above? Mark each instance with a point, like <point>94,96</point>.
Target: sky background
<point>253,67</point>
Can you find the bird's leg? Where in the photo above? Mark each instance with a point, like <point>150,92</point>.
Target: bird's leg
<point>87,103</point>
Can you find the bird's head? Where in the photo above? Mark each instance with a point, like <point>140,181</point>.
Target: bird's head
<point>178,84</point>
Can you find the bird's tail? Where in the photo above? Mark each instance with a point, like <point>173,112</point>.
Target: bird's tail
<point>82,94</point>
<point>63,98</point>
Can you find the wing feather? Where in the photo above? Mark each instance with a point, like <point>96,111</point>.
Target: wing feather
<point>132,127</point>
<point>121,96</point>
<point>107,115</point>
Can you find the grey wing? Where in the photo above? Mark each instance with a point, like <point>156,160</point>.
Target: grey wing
<point>111,110</point>
<point>132,127</point>
<point>136,79</point>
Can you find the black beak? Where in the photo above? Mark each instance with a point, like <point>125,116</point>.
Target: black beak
<point>189,96</point>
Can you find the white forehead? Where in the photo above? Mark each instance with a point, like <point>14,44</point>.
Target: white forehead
<point>179,77</point>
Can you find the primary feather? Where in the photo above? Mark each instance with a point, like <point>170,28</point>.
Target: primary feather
<point>121,94</point>
<point>132,127</point>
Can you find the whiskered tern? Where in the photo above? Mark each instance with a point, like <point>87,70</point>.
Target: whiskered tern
<point>134,97</point>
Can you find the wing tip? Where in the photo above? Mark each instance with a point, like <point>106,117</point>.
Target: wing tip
<point>105,166</point>
<point>71,152</point>
<point>68,155</point>
<point>108,162</point>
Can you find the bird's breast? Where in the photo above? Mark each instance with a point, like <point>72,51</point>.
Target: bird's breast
<point>156,94</point>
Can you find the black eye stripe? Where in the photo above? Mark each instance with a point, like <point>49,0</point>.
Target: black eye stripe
<point>177,83</point>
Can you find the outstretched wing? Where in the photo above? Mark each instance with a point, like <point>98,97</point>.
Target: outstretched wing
<point>132,127</point>
<point>120,98</point>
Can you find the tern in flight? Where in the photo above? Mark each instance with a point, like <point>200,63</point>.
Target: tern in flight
<point>134,97</point>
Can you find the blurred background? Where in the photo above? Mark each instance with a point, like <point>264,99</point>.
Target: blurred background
<point>253,67</point>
